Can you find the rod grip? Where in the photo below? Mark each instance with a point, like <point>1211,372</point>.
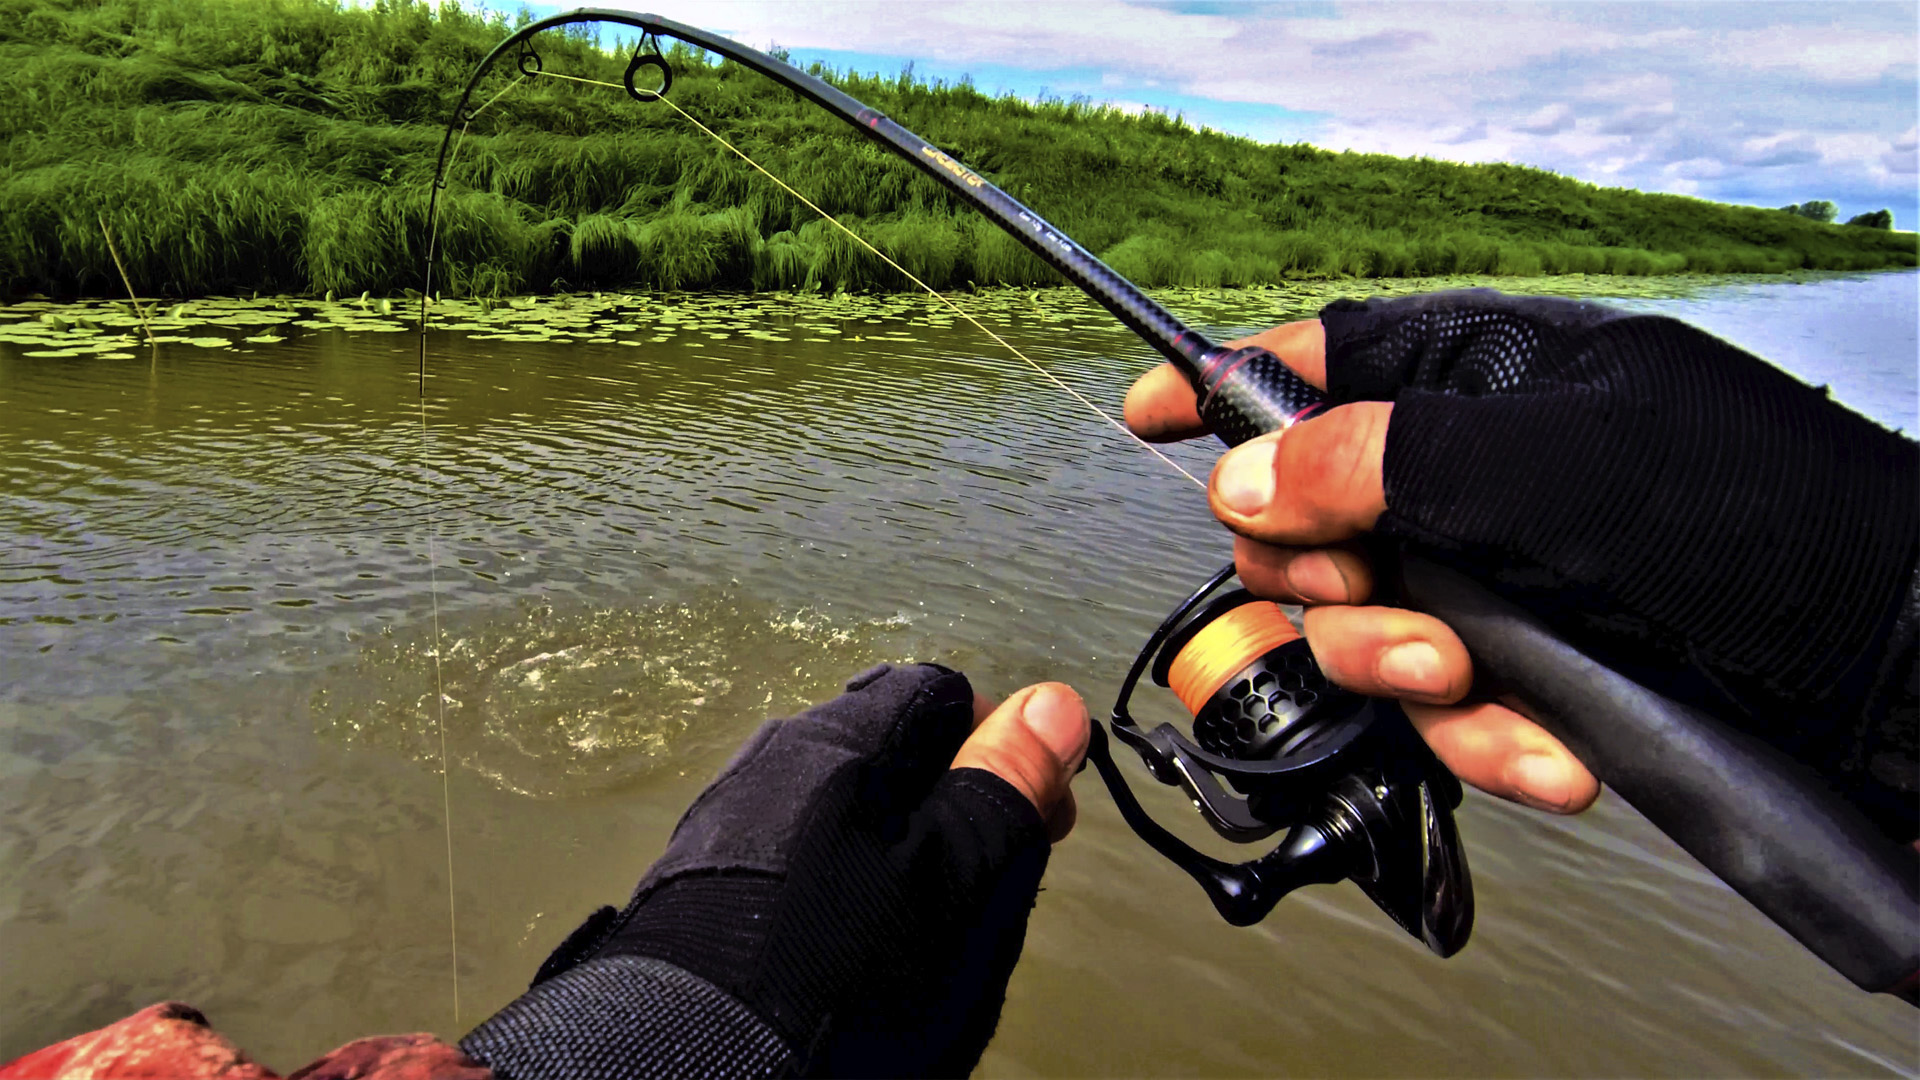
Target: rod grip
<point>1765,825</point>
<point>1762,823</point>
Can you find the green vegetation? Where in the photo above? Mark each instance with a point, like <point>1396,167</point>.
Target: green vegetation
<point>1877,219</point>
<point>119,330</point>
<point>1820,210</point>
<point>288,146</point>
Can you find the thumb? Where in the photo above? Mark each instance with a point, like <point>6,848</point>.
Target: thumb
<point>1035,741</point>
<point>1315,483</point>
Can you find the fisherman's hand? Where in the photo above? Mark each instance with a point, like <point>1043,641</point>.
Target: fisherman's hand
<point>1734,538</point>
<point>847,898</point>
<point>1295,498</point>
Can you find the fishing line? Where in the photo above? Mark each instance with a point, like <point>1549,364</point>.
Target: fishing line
<point>433,576</point>
<point>433,219</point>
<point>440,722</point>
<point>1220,649</point>
<point>903,272</point>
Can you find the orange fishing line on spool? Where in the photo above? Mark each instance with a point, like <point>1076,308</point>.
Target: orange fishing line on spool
<point>1224,646</point>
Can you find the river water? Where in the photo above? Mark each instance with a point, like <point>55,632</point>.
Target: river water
<point>645,524</point>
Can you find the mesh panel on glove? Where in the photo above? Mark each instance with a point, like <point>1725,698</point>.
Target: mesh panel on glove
<point>626,1018</point>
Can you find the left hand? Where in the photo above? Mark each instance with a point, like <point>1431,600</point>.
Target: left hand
<point>854,885</point>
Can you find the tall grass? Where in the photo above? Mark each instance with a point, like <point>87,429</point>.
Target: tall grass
<point>287,145</point>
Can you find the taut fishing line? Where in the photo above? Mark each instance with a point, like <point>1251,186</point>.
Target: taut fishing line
<point>1273,744</point>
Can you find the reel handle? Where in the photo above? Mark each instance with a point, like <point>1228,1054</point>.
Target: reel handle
<point>1242,893</point>
<point>1764,825</point>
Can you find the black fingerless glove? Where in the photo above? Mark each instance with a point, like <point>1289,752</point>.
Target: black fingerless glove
<point>1692,516</point>
<point>838,902</point>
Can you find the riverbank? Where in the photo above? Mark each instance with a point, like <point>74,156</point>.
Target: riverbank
<point>289,148</point>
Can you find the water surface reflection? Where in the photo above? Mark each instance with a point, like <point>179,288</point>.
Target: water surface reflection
<point>219,760</point>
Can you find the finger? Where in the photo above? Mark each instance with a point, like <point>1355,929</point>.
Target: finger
<point>1065,812</point>
<point>1314,483</point>
<point>1332,575</point>
<point>1035,740</point>
<point>1388,652</point>
<point>1503,753</point>
<point>1300,345</point>
<point>1161,405</point>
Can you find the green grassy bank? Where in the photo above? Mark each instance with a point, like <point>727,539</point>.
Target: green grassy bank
<point>288,145</point>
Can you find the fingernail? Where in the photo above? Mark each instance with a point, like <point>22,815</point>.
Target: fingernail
<point>1542,781</point>
<point>1244,479</point>
<point>1057,717</point>
<point>1317,576</point>
<point>1413,668</point>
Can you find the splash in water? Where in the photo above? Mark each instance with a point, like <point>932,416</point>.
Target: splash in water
<point>549,703</point>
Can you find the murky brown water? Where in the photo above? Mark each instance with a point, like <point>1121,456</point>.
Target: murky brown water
<point>219,768</point>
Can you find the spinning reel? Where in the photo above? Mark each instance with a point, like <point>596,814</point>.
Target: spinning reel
<point>1356,788</point>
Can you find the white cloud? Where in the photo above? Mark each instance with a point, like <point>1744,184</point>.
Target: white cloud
<point>1547,120</point>
<point>1636,89</point>
<point>1716,97</point>
<point>1830,53</point>
<point>1900,158</point>
<point>1040,35</point>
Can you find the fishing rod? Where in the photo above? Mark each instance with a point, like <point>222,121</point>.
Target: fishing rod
<point>1275,746</point>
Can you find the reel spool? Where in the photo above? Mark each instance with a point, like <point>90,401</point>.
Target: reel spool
<point>1357,790</point>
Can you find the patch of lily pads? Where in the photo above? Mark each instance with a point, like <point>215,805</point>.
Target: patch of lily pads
<point>119,329</point>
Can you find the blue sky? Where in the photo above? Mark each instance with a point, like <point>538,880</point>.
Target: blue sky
<point>1760,103</point>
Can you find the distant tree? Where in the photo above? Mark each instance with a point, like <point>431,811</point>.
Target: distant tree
<point>1816,209</point>
<point>1878,219</point>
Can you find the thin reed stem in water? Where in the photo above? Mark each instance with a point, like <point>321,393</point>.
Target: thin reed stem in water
<point>133,299</point>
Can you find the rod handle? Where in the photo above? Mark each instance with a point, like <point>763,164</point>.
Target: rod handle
<point>1762,823</point>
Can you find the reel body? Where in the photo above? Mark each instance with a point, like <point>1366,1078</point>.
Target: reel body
<point>1277,746</point>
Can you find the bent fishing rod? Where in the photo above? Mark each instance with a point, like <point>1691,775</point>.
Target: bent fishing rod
<point>1275,746</point>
